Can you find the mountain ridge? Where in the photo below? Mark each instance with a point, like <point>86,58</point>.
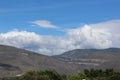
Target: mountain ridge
<point>92,58</point>
<point>15,61</point>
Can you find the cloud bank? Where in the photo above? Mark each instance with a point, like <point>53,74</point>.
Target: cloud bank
<point>44,24</point>
<point>101,35</point>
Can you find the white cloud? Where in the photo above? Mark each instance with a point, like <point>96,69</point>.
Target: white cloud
<point>88,37</point>
<point>101,35</point>
<point>44,24</point>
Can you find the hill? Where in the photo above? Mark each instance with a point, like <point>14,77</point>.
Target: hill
<point>92,58</point>
<point>14,61</point>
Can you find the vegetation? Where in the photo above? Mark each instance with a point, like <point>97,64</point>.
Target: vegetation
<point>92,74</point>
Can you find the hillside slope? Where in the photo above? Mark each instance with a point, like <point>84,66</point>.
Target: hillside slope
<point>14,61</point>
<point>92,58</point>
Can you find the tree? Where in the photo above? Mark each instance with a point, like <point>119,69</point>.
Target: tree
<point>115,76</point>
<point>41,75</point>
<point>73,77</point>
<point>79,76</point>
<point>53,75</point>
<point>87,72</point>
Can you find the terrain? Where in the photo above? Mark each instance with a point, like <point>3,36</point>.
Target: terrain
<point>92,58</point>
<point>15,61</point>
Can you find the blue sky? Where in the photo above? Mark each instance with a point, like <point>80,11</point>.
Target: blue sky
<point>17,14</point>
<point>52,27</point>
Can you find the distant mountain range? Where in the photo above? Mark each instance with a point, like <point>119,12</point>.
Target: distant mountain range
<point>92,58</point>
<point>14,61</point>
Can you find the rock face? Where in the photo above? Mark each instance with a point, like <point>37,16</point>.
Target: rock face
<point>14,61</point>
<point>92,58</point>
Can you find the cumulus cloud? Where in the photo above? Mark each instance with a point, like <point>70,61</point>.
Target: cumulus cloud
<point>100,36</point>
<point>44,24</point>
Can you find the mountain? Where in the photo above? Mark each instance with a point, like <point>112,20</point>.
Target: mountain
<point>92,58</point>
<point>14,61</point>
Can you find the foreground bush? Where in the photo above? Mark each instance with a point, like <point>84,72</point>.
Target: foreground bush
<point>41,75</point>
<point>92,74</point>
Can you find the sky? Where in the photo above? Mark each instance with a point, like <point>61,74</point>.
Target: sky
<point>51,27</point>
